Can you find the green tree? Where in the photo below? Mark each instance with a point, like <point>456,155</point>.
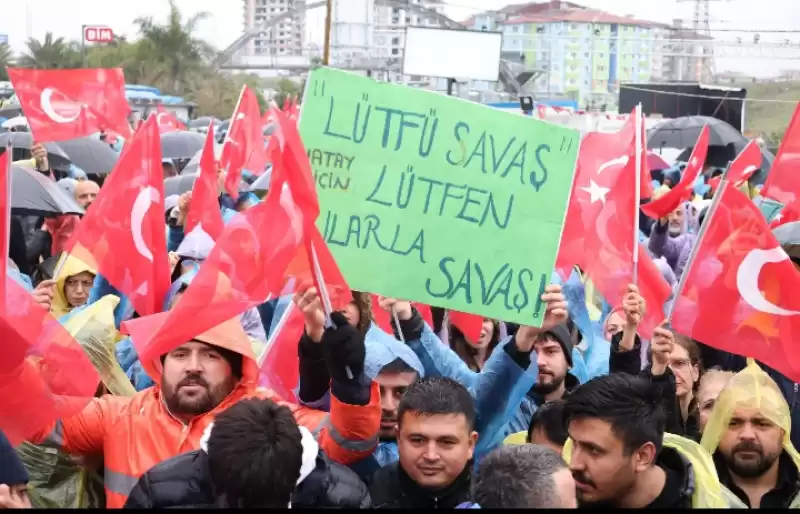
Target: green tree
<point>172,48</point>
<point>53,52</point>
<point>6,59</point>
<point>286,88</point>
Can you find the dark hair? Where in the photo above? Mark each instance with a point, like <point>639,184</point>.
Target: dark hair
<point>550,418</point>
<point>254,454</point>
<point>398,366</point>
<point>437,395</point>
<point>626,402</point>
<point>518,477</point>
<point>467,352</point>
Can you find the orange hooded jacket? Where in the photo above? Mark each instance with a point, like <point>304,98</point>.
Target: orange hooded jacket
<point>135,433</point>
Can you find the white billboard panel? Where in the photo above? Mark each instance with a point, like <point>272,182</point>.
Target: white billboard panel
<point>452,53</point>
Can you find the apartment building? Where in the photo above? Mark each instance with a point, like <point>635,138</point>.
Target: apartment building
<point>285,38</point>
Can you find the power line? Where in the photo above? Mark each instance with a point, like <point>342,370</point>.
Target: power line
<point>708,97</point>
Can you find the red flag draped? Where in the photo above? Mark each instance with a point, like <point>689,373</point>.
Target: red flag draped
<point>740,294</point>
<point>244,143</point>
<point>661,207</point>
<point>204,210</point>
<point>783,182</point>
<point>280,370</point>
<point>124,228</point>
<point>167,122</point>
<point>66,104</point>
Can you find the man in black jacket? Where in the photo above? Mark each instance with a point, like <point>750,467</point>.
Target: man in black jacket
<point>435,440</point>
<point>253,456</point>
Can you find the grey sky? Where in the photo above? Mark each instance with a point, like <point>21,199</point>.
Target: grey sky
<point>23,18</point>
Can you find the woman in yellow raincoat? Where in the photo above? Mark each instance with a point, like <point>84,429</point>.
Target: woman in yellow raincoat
<point>73,284</point>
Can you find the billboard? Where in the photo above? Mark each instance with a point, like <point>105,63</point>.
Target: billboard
<point>94,34</point>
<point>452,53</point>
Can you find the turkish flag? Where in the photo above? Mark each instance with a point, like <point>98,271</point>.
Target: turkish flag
<point>67,104</point>
<point>244,143</point>
<point>742,168</point>
<point>788,214</point>
<point>740,293</point>
<point>280,365</point>
<point>5,212</point>
<point>601,217</point>
<point>469,324</point>
<point>783,182</point>
<point>167,122</point>
<point>661,207</point>
<point>204,212</point>
<point>123,230</point>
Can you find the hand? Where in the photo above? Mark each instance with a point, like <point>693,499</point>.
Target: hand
<point>183,207</point>
<point>310,305</point>
<point>11,499</point>
<point>174,258</point>
<point>402,308</point>
<point>634,306</point>
<point>556,311</point>
<point>43,293</point>
<point>661,345</point>
<point>39,153</point>
<point>344,350</point>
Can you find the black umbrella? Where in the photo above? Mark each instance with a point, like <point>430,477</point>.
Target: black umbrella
<point>35,194</point>
<point>91,155</point>
<point>179,185</point>
<point>193,166</point>
<point>202,122</point>
<point>23,141</point>
<point>683,132</point>
<point>181,145</point>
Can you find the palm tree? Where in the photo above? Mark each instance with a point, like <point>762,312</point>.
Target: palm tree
<point>172,48</point>
<point>51,53</point>
<point>6,59</point>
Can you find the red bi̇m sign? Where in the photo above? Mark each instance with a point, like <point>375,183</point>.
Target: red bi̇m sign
<point>98,35</point>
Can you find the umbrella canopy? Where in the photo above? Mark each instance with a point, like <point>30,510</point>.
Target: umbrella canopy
<point>181,145</point>
<point>193,166</point>
<point>202,122</point>
<point>34,194</point>
<point>91,155</point>
<point>656,162</point>
<point>683,132</point>
<point>23,141</point>
<point>16,121</point>
<point>184,183</point>
<point>788,235</point>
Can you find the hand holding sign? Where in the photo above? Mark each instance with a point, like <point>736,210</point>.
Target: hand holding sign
<point>400,307</point>
<point>555,314</point>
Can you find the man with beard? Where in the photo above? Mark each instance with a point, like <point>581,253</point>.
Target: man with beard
<point>620,456</point>
<point>671,238</point>
<point>195,381</point>
<point>748,435</point>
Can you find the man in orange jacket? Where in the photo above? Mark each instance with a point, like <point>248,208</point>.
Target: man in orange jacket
<point>196,381</point>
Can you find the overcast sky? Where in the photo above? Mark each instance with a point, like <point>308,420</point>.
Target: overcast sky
<point>21,19</point>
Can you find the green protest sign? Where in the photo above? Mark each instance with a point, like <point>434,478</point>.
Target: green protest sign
<point>435,199</point>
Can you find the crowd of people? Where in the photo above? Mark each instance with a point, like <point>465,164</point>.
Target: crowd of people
<point>569,414</point>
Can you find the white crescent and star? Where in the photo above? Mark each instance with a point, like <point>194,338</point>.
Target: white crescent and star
<point>144,200</point>
<point>295,217</point>
<point>46,101</point>
<point>160,121</point>
<point>596,192</point>
<point>747,280</point>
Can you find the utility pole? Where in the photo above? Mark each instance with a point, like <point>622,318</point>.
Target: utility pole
<point>326,56</point>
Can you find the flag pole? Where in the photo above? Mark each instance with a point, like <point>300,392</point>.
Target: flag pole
<point>7,222</point>
<point>637,192</point>
<point>723,184</point>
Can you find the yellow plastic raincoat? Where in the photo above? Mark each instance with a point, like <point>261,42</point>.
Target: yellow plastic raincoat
<point>751,388</point>
<point>73,266</point>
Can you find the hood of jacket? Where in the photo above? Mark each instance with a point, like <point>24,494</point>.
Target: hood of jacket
<point>73,266</point>
<point>228,335</point>
<point>382,349</point>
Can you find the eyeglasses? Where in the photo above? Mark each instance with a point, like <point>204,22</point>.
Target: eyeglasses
<point>680,363</point>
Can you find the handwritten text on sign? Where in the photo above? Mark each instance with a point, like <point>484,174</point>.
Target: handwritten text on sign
<point>435,199</point>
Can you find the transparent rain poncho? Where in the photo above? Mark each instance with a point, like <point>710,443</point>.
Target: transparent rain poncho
<point>751,388</point>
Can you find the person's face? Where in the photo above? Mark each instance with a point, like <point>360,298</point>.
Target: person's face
<point>614,325</point>
<point>675,221</point>
<point>686,373</point>
<point>77,287</point>
<point>565,487</point>
<point>221,180</point>
<point>352,313</point>
<point>707,398</point>
<point>539,436</point>
<point>86,192</point>
<point>195,379</point>
<point>392,386</point>
<point>487,332</point>
<point>752,444</point>
<point>552,364</point>
<point>169,169</point>
<point>602,470</point>
<point>434,449</point>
